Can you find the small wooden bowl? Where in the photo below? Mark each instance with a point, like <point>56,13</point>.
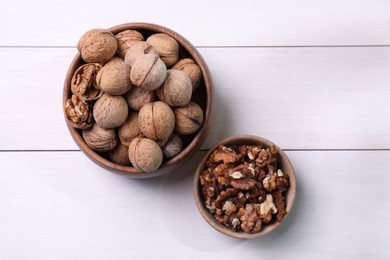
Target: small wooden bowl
<point>203,96</point>
<point>284,164</point>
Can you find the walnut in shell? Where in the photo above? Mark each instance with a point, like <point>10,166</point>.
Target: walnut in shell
<point>176,89</point>
<point>125,39</point>
<point>173,146</point>
<point>192,69</point>
<point>138,49</point>
<point>100,139</point>
<point>129,129</point>
<point>148,72</point>
<point>97,45</point>
<point>83,82</point>
<point>145,154</point>
<point>156,120</point>
<point>78,113</point>
<point>188,118</point>
<point>167,47</point>
<point>110,111</point>
<point>120,155</point>
<point>137,97</point>
<point>114,77</point>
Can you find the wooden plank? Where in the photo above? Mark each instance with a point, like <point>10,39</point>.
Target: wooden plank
<point>204,23</point>
<point>59,205</point>
<point>300,98</point>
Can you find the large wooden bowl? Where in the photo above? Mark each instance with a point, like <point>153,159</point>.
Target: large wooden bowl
<point>284,164</point>
<point>204,96</point>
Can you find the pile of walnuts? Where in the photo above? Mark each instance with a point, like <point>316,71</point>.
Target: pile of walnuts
<point>132,98</point>
<point>243,187</point>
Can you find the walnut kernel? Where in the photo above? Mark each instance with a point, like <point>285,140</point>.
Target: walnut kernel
<point>78,113</point>
<point>83,82</point>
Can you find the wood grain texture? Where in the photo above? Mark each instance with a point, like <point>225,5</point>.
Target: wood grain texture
<point>62,206</point>
<point>299,98</point>
<point>202,22</point>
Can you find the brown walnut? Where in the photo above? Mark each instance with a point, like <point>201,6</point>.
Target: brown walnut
<point>167,47</point>
<point>189,118</point>
<point>137,97</point>
<point>110,111</point>
<point>83,82</point>
<point>192,69</point>
<point>138,49</point>
<point>176,90</point>
<point>120,155</point>
<point>97,45</point>
<point>148,72</point>
<point>156,120</point>
<point>114,77</point>
<point>125,39</point>
<point>172,146</point>
<point>100,139</point>
<point>129,129</point>
<point>78,113</point>
<point>145,154</point>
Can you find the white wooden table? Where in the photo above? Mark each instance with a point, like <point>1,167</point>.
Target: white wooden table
<point>311,76</point>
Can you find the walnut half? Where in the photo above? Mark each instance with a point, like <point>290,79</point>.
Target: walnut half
<point>78,113</point>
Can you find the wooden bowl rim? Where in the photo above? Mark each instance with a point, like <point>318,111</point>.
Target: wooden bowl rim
<point>285,165</point>
<point>195,143</point>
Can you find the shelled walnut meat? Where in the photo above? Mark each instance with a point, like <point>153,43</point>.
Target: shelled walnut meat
<point>243,187</point>
<point>127,104</point>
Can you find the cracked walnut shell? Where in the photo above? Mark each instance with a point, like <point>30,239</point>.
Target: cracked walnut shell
<point>78,113</point>
<point>83,82</point>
